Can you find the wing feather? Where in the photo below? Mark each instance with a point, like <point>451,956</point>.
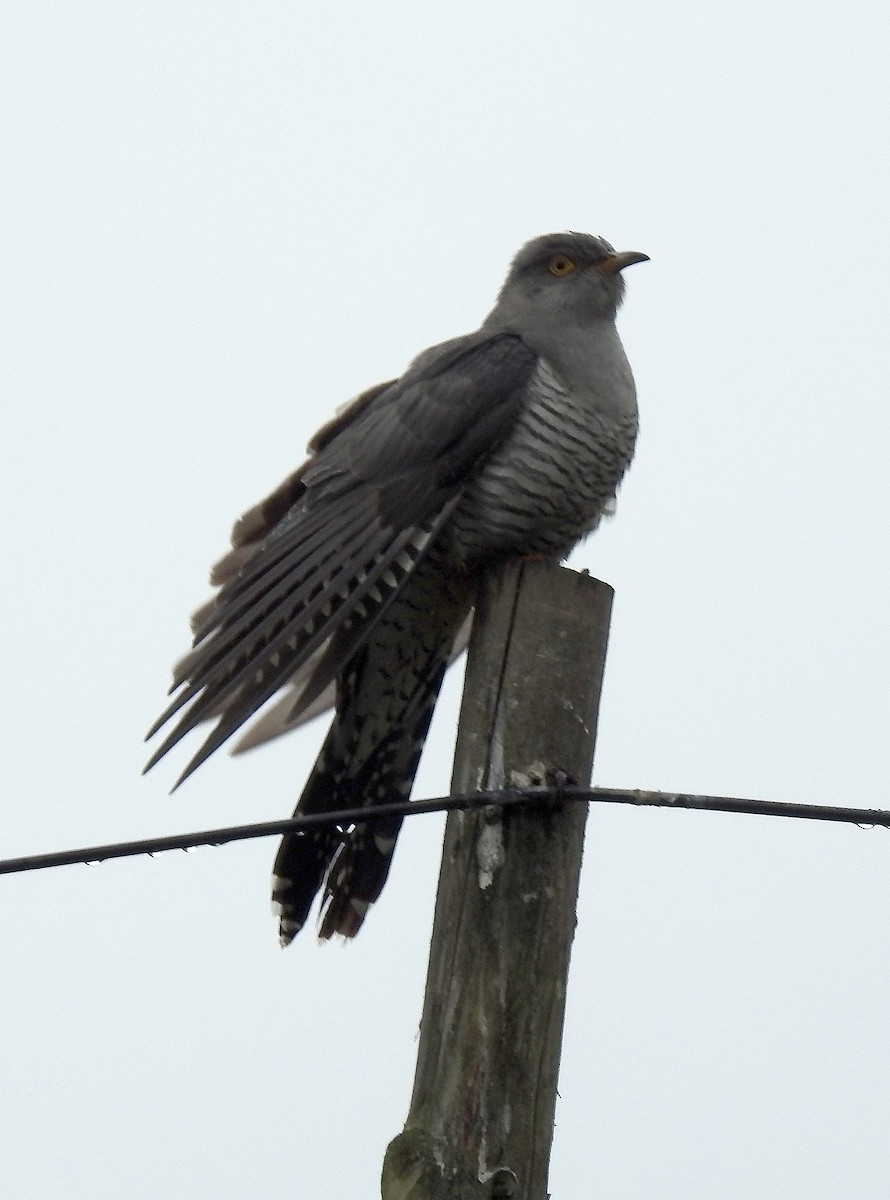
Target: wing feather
<point>291,710</point>
<point>320,573</point>
<point>249,672</point>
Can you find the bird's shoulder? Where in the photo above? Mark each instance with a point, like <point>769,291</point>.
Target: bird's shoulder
<point>451,403</point>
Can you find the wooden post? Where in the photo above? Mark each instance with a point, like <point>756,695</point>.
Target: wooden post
<point>480,1123</point>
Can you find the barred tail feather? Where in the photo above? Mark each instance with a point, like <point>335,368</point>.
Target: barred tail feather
<point>303,859</point>
<point>356,876</point>
<point>385,702</point>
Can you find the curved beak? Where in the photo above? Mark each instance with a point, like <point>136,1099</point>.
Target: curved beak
<point>617,262</point>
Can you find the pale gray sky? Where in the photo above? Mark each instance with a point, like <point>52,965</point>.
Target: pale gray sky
<point>220,221</point>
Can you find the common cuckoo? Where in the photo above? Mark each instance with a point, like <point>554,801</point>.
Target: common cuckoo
<point>356,575</point>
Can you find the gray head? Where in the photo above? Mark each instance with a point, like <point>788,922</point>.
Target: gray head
<point>571,276</point>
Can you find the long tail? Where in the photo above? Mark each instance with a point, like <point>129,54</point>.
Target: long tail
<point>385,701</point>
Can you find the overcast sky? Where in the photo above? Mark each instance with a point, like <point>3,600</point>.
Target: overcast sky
<point>218,222</point>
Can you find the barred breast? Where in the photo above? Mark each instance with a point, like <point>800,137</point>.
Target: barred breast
<point>552,480</point>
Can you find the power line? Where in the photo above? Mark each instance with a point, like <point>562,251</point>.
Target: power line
<point>495,800</point>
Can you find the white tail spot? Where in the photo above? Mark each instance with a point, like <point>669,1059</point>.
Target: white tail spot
<point>287,931</point>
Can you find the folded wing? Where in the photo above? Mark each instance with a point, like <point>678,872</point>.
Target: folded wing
<point>316,565</point>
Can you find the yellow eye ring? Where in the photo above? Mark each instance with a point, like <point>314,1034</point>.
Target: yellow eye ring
<point>560,264</point>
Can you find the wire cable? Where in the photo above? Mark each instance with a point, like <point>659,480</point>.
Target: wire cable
<point>494,801</point>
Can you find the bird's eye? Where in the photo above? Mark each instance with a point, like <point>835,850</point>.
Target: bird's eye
<point>560,264</point>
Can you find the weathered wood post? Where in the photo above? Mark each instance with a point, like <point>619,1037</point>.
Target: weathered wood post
<point>480,1123</point>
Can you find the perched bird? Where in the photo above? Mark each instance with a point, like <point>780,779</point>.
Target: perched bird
<point>358,572</point>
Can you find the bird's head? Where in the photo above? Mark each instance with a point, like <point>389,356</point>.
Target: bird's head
<point>573,276</point>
